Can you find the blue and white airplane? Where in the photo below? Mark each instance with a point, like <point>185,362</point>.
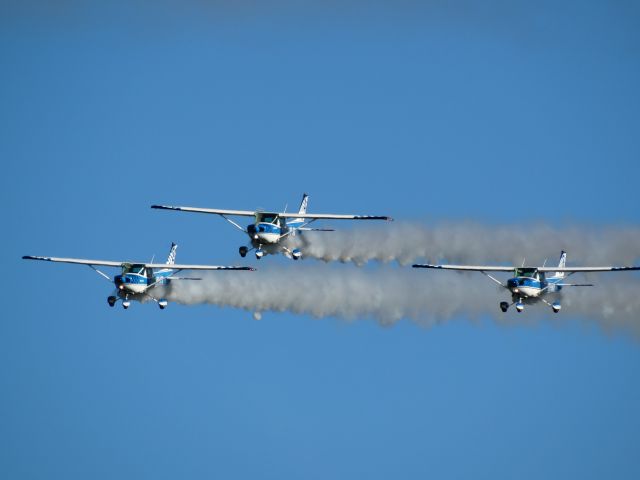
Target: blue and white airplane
<point>270,230</point>
<point>530,284</point>
<point>138,280</point>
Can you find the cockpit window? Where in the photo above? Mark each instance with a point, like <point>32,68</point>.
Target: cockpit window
<point>267,217</point>
<point>139,269</point>
<point>526,272</point>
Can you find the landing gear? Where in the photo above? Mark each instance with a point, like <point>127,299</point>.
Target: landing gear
<point>162,304</point>
<point>125,304</point>
<point>259,253</point>
<point>504,306</point>
<point>111,300</point>
<point>556,307</point>
<point>243,251</point>
<point>296,254</point>
<point>519,307</point>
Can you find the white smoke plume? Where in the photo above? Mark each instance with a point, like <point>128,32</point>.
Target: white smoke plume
<point>406,243</point>
<point>389,294</point>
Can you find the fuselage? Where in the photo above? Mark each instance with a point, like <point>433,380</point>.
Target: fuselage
<point>529,283</point>
<point>269,229</point>
<point>136,279</point>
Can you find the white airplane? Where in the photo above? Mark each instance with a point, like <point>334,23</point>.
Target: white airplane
<point>269,230</point>
<point>139,280</point>
<point>530,284</point>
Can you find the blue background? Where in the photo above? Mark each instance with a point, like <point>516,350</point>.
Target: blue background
<point>498,112</point>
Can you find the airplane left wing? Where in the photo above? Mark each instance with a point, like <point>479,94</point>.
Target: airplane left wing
<point>331,216</point>
<point>194,267</point>
<point>587,269</point>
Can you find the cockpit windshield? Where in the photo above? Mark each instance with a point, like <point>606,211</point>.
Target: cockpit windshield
<point>267,217</point>
<point>138,269</point>
<point>526,272</point>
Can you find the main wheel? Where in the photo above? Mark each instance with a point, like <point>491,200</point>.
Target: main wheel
<point>111,301</point>
<point>243,251</point>
<point>504,306</point>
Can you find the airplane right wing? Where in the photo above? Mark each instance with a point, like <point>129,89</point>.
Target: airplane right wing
<point>215,211</point>
<point>81,261</point>
<point>472,268</point>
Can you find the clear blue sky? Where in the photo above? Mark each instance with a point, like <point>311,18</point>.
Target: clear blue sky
<point>421,112</point>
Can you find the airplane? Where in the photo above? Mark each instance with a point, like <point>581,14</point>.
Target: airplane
<point>530,284</point>
<point>270,230</point>
<point>138,280</point>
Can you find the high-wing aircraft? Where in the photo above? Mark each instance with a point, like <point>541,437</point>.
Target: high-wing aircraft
<point>139,280</point>
<point>531,284</point>
<point>269,231</point>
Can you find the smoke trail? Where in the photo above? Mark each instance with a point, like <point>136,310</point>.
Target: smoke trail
<point>388,295</point>
<point>471,242</point>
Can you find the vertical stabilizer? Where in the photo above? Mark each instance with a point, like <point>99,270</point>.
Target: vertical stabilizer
<point>171,259</point>
<point>304,203</point>
<point>303,209</point>
<point>562,263</point>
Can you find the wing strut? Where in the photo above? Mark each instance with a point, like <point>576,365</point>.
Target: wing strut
<point>494,279</point>
<point>233,223</point>
<point>101,273</point>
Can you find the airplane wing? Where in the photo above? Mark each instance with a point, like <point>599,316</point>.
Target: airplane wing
<point>587,269</point>
<point>106,263</point>
<point>473,268</point>
<point>487,268</point>
<point>331,216</point>
<point>247,213</point>
<point>241,213</point>
<point>81,261</point>
<point>194,267</point>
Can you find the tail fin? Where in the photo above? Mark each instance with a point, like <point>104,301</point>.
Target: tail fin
<point>562,263</point>
<point>303,209</point>
<point>171,259</point>
<point>303,205</point>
